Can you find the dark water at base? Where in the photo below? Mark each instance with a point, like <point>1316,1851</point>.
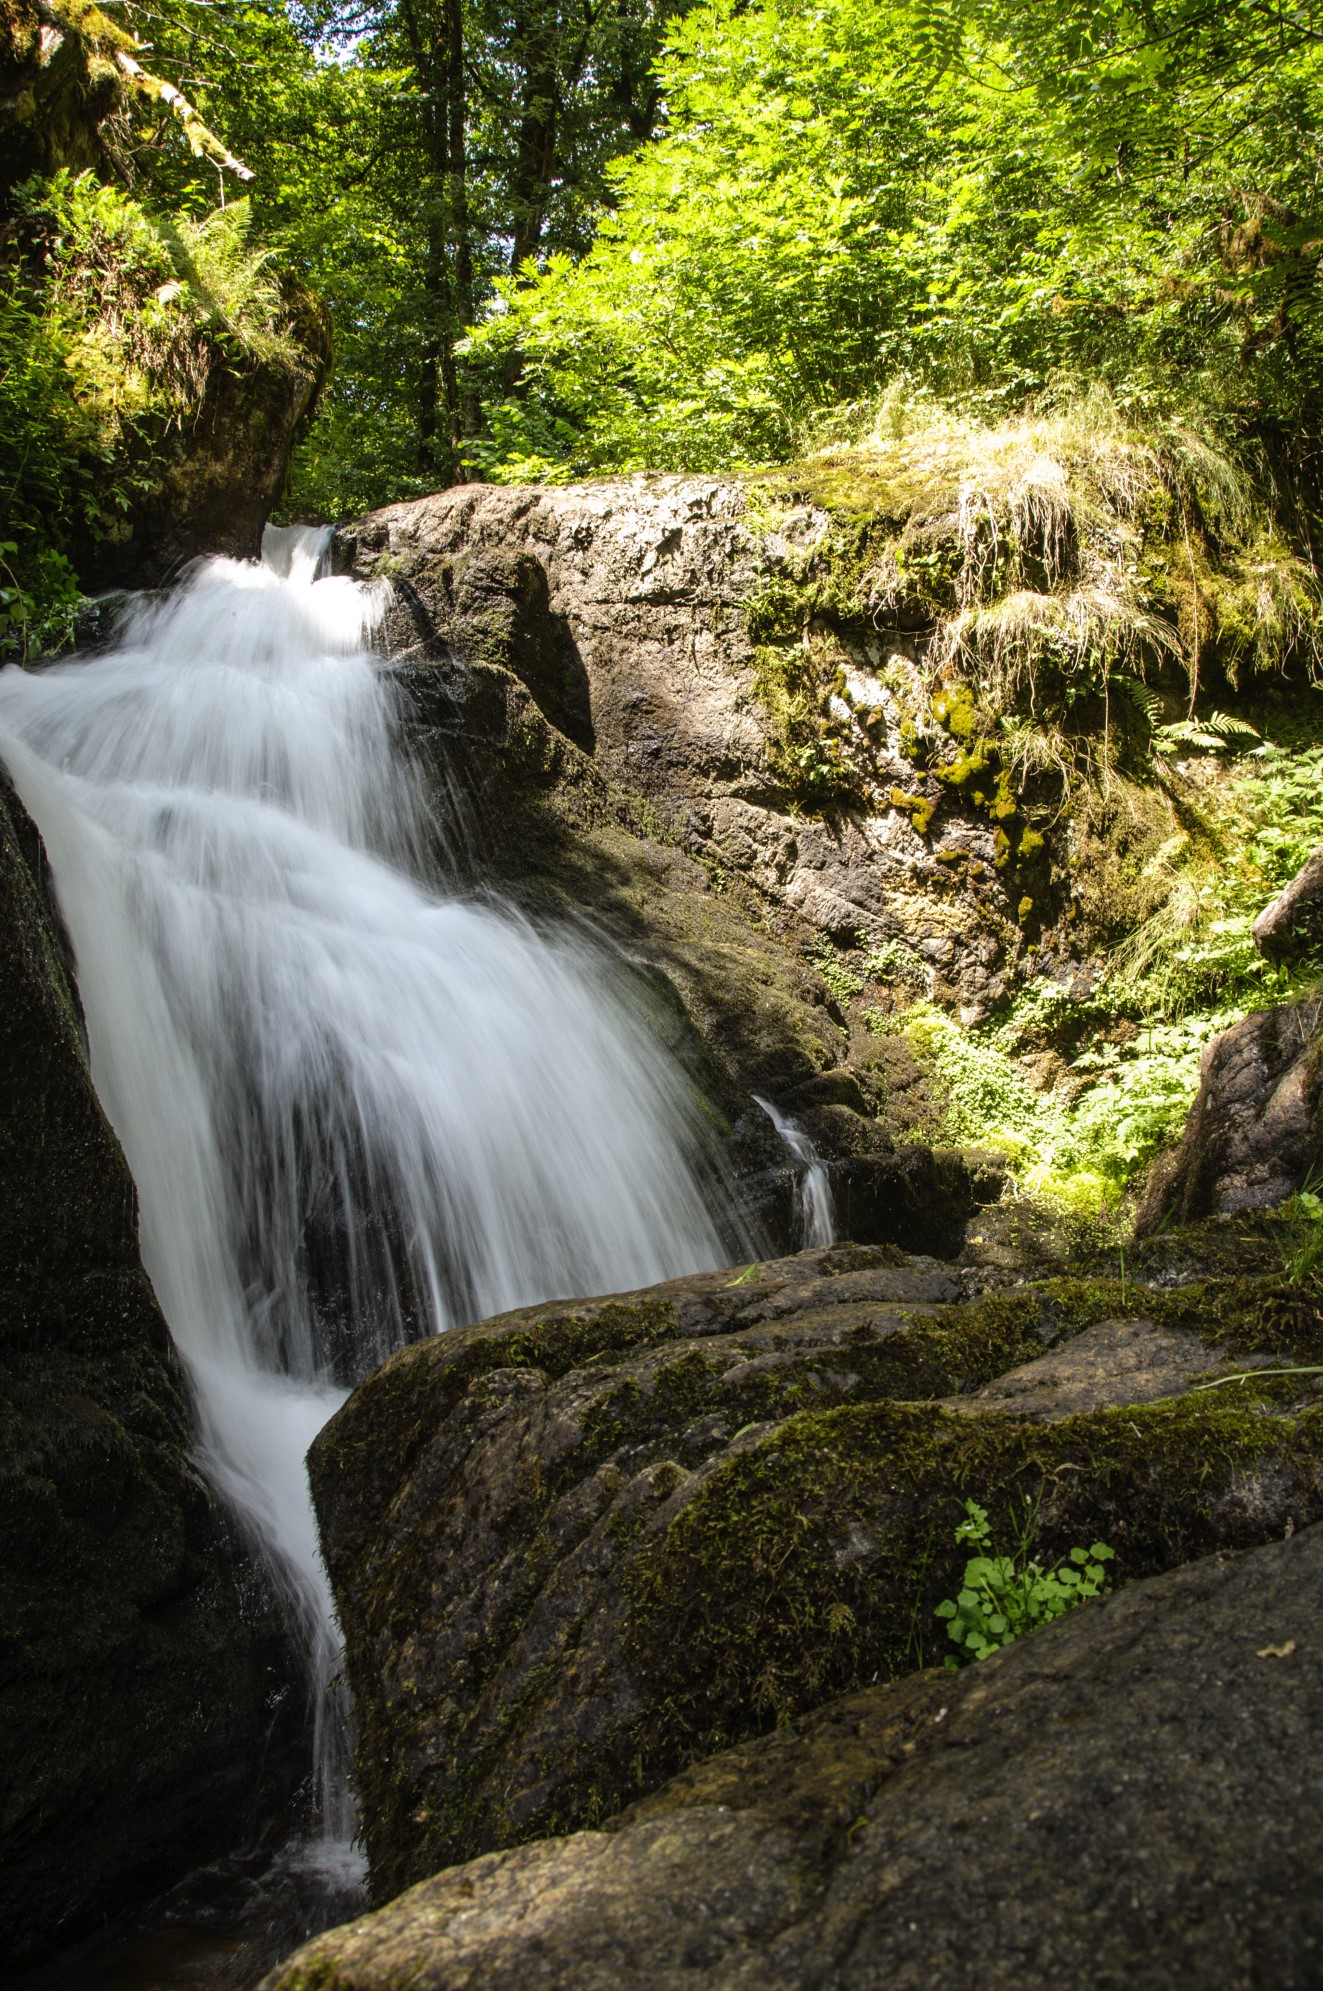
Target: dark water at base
<point>221,1929</point>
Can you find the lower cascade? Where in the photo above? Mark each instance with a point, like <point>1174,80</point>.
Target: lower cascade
<point>358,1109</point>
<point>815,1208</point>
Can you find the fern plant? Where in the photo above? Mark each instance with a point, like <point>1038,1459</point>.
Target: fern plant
<point>1216,732</point>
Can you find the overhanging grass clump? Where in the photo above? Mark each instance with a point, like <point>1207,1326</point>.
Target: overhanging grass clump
<point>1051,552</point>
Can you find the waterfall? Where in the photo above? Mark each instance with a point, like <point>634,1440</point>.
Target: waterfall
<point>357,1109</point>
<point>814,1208</point>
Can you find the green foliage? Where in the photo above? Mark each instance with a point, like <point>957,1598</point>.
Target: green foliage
<point>1004,1596</point>
<point>892,962</point>
<point>112,323</point>
<point>1303,1258</point>
<point>831,209</point>
<point>1081,1146</point>
<point>844,984</point>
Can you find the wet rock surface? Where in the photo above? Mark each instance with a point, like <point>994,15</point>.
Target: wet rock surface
<point>1254,1134</point>
<point>584,1545</point>
<point>1125,1797</point>
<point>144,1681</point>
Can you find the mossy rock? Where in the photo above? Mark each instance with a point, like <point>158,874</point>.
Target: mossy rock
<point>1060,1813</point>
<point>582,1546</point>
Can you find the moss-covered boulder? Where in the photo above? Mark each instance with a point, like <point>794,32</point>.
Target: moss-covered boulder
<point>211,489</point>
<point>1126,1797</point>
<point>581,1546</point>
<point>145,1695</point>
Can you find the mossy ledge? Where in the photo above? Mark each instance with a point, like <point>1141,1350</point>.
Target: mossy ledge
<point>583,1546</point>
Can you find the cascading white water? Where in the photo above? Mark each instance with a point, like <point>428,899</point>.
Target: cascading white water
<point>356,1111</point>
<point>815,1209</point>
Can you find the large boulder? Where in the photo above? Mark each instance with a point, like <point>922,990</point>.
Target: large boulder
<point>579,1547</point>
<point>1292,926</point>
<point>625,606</point>
<point>145,1694</point>
<point>1126,1797</point>
<point>1253,1135</point>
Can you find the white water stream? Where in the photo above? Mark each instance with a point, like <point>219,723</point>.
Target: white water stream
<point>815,1210</point>
<point>356,1110</point>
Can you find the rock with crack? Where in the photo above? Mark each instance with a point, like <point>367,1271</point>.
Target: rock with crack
<point>583,1545</point>
<point>1125,1797</point>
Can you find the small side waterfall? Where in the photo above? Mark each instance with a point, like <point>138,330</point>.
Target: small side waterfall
<point>813,1200</point>
<point>356,1110</point>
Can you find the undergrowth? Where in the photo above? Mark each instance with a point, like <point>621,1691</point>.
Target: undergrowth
<point>1081,1083</point>
<point>1001,1597</point>
<point>112,320</point>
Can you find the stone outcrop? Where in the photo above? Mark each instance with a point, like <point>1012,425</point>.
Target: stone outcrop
<point>1291,928</point>
<point>579,1547</point>
<point>727,969</point>
<point>144,1687</point>
<point>1254,1134</point>
<point>1126,1797</point>
<point>624,606</point>
<point>211,487</point>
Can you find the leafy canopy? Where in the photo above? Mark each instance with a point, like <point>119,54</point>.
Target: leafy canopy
<point>976,196</point>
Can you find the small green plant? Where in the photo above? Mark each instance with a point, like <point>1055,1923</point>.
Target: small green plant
<point>1004,1596</point>
<point>1304,1254</point>
<point>844,984</point>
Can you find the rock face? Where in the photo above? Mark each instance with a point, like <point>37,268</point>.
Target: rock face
<point>211,488</point>
<point>143,1685</point>
<point>1126,1797</point>
<point>1253,1135</point>
<point>727,970</point>
<point>584,1545</point>
<point>624,606</point>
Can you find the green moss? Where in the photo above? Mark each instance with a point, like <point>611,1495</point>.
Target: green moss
<point>801,1568</point>
<point>919,808</point>
<point>957,712</point>
<point>1003,802</point>
<point>1001,850</point>
<point>1030,844</point>
<point>968,763</point>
